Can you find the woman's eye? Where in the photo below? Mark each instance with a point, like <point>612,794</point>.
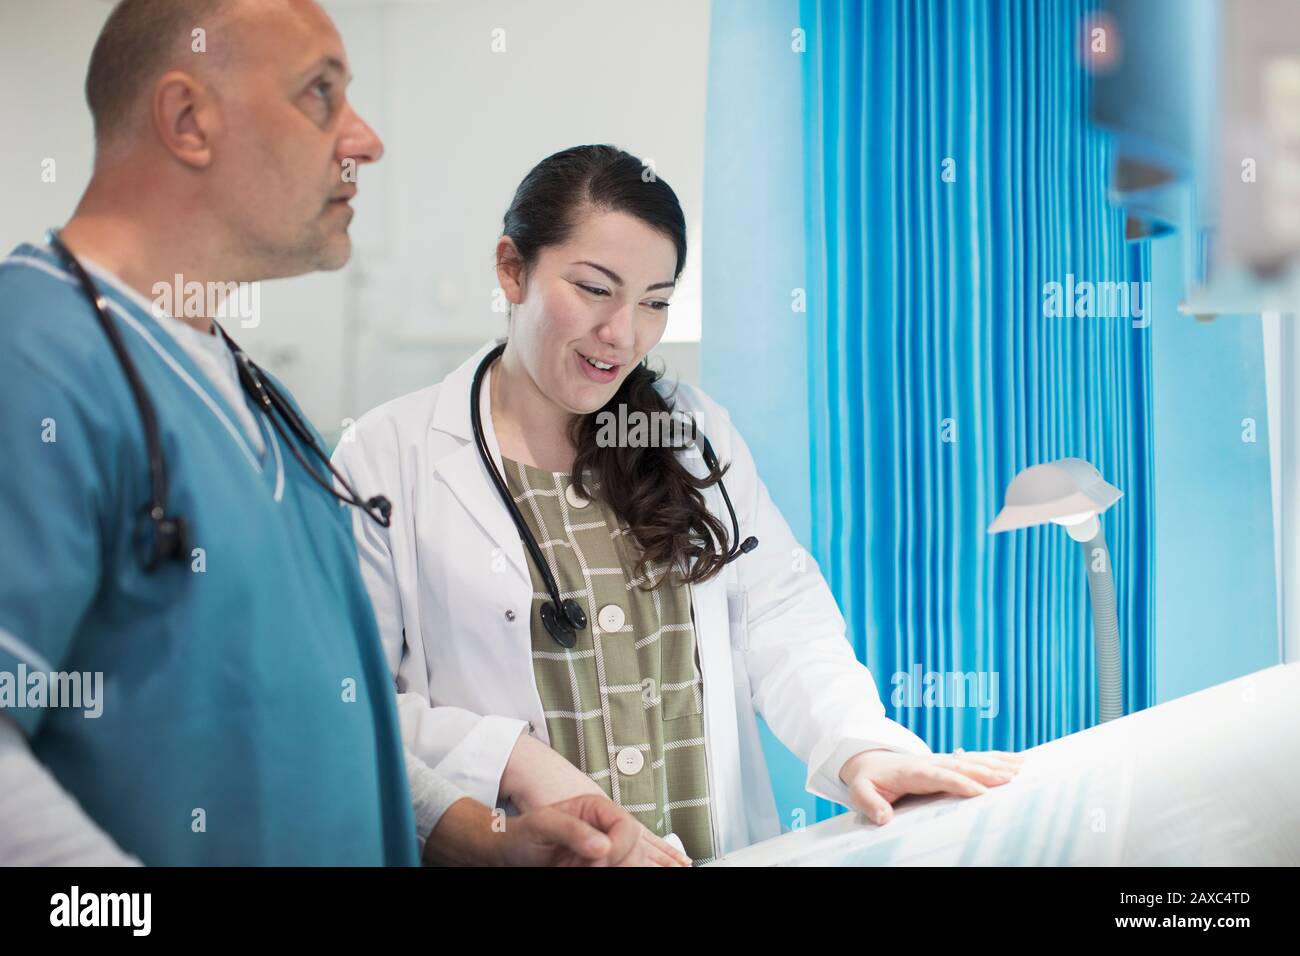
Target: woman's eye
<point>658,306</point>
<point>594,290</point>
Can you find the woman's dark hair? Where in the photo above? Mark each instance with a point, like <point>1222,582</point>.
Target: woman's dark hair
<point>647,486</point>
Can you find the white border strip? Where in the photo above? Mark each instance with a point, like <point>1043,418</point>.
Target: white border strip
<point>23,651</point>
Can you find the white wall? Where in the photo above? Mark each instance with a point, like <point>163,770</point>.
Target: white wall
<point>462,125</point>
<point>44,49</point>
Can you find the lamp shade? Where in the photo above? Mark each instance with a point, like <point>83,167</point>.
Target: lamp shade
<point>1069,488</point>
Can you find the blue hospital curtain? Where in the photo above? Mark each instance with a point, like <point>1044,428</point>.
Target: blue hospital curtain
<point>950,173</point>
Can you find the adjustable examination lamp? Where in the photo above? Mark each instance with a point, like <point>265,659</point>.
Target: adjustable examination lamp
<point>1072,493</point>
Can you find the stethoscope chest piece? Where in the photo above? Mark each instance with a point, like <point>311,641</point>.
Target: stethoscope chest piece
<point>564,629</point>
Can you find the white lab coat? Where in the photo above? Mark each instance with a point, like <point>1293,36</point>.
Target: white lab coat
<point>452,593</point>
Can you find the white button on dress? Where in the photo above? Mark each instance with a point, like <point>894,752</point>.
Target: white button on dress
<point>629,761</point>
<point>575,500</point>
<point>611,618</point>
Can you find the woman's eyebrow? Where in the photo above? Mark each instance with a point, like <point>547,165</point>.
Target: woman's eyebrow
<point>617,280</point>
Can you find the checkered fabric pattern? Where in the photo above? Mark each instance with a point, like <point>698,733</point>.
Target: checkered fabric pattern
<point>625,705</point>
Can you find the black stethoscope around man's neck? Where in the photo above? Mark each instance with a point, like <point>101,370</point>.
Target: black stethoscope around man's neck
<point>166,537</point>
<point>564,618</point>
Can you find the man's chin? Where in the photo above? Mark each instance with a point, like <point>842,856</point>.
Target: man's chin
<point>336,253</point>
<point>324,253</point>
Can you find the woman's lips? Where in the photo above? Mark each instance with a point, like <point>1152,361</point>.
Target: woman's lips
<point>601,376</point>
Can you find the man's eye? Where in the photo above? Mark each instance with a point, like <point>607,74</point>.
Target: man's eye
<point>323,88</point>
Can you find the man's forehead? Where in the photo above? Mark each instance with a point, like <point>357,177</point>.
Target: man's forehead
<point>299,27</point>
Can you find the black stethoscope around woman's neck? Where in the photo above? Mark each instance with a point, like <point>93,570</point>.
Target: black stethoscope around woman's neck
<point>166,537</point>
<point>564,618</point>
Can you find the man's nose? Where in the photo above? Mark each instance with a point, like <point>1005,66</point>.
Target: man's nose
<point>359,141</point>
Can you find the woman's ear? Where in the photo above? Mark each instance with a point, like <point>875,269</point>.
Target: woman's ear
<point>510,270</point>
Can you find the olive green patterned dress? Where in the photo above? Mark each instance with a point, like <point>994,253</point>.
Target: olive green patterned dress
<point>625,705</point>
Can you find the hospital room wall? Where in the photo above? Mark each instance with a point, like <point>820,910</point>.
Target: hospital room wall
<point>461,124</point>
<point>1216,610</point>
<point>43,53</point>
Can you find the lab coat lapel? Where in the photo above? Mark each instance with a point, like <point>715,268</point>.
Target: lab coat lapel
<point>463,470</point>
<point>721,722</point>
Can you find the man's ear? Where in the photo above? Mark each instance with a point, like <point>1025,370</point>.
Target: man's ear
<point>510,270</point>
<point>185,118</point>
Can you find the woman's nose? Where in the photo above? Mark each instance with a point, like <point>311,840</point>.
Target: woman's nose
<point>619,330</point>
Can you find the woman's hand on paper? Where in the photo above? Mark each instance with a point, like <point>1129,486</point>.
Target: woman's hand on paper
<point>878,778</point>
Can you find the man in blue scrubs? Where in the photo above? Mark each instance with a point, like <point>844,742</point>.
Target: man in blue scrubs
<point>246,714</point>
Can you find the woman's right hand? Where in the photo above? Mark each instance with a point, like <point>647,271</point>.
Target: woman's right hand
<point>538,776</point>
<point>878,778</point>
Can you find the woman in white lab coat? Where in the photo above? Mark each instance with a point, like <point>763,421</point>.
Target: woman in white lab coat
<point>592,246</point>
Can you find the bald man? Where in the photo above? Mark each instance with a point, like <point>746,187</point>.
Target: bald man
<point>231,702</point>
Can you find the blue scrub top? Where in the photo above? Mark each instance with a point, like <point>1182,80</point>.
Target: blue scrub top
<point>248,713</point>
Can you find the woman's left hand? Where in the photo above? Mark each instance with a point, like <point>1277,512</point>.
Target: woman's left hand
<point>877,778</point>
